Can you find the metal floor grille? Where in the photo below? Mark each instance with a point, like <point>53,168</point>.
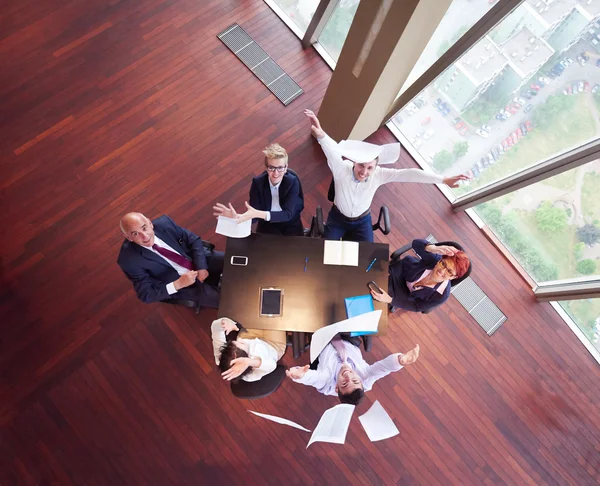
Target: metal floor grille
<point>477,303</point>
<point>260,63</point>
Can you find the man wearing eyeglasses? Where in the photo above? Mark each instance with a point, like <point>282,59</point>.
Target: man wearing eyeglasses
<point>276,198</point>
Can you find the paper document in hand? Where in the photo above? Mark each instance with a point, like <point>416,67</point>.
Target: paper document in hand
<point>333,425</point>
<point>365,322</point>
<point>377,423</point>
<point>340,253</point>
<point>230,227</point>
<point>279,420</point>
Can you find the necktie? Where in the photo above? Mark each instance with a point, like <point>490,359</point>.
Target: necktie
<point>337,343</point>
<point>174,257</point>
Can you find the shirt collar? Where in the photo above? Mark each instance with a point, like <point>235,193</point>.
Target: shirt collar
<point>276,185</point>
<point>354,179</point>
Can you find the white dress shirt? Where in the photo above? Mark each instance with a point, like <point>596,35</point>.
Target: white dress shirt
<point>440,289</point>
<point>178,268</point>
<point>324,378</point>
<point>274,199</point>
<point>257,348</point>
<point>354,198</point>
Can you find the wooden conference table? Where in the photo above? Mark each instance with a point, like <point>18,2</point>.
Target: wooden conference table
<point>311,299</point>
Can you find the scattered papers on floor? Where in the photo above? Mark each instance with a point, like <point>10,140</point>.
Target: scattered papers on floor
<point>279,420</point>
<point>333,425</point>
<point>377,423</point>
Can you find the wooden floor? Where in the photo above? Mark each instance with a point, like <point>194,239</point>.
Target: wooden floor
<point>120,105</point>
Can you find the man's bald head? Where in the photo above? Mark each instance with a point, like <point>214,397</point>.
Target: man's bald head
<point>137,228</point>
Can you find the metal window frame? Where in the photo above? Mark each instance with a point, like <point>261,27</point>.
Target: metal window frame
<point>571,289</point>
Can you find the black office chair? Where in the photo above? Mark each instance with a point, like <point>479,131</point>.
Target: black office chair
<point>190,303</point>
<point>396,256</point>
<point>383,220</point>
<point>251,390</point>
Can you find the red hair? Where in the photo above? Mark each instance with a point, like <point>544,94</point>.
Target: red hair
<point>461,263</point>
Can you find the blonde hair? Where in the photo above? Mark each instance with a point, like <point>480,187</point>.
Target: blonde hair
<point>275,151</point>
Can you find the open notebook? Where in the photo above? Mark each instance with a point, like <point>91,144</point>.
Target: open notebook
<point>340,253</point>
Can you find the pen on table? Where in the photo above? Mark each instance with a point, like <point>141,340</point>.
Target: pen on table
<point>371,264</point>
<point>305,263</point>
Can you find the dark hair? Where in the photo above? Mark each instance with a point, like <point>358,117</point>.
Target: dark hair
<point>353,398</point>
<point>229,352</point>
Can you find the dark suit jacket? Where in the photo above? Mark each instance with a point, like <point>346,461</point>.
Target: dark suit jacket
<point>149,272</point>
<point>409,269</point>
<point>291,198</point>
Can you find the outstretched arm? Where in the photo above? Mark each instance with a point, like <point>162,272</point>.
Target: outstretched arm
<point>329,146</point>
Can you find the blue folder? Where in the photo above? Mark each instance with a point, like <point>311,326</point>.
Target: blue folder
<point>355,306</point>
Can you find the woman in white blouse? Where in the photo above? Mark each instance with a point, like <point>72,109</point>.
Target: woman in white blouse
<point>245,354</point>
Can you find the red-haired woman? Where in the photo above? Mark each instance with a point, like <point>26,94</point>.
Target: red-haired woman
<point>420,284</point>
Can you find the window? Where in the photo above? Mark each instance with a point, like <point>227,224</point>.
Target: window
<point>527,91</point>
<point>552,227</point>
<point>336,30</point>
<point>586,315</point>
<point>298,12</point>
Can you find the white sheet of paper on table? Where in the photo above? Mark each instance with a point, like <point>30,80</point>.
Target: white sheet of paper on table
<point>279,420</point>
<point>322,337</point>
<point>229,227</point>
<point>377,423</point>
<point>333,425</point>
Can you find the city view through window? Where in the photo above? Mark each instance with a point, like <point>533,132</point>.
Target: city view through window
<point>527,91</point>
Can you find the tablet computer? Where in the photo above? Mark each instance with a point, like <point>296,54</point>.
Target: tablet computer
<point>271,302</point>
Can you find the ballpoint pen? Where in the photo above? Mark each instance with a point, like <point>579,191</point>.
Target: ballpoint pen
<point>305,263</point>
<point>371,264</point>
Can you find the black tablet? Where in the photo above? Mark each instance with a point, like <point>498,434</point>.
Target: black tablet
<point>271,302</point>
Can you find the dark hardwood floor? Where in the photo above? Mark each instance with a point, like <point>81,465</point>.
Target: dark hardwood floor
<point>120,105</point>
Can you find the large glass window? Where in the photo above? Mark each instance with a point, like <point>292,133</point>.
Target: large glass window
<point>586,314</point>
<point>527,91</point>
<point>336,30</point>
<point>552,227</point>
<point>299,12</point>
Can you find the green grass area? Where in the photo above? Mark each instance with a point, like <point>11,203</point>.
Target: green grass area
<point>590,195</point>
<point>573,125</point>
<point>584,312</point>
<point>565,181</point>
<point>557,248</point>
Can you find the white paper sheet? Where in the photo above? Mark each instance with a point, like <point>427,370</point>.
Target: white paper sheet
<point>340,253</point>
<point>377,423</point>
<point>279,420</point>
<point>322,337</point>
<point>230,228</point>
<point>333,425</point>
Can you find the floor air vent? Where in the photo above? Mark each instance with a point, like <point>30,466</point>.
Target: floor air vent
<point>477,303</point>
<point>260,63</point>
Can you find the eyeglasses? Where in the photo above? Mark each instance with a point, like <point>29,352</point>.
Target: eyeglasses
<point>447,269</point>
<point>270,168</point>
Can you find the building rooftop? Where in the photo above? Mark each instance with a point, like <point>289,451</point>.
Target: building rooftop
<point>592,8</point>
<point>482,61</point>
<point>552,10</point>
<point>526,52</point>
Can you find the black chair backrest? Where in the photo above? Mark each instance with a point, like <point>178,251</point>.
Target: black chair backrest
<point>331,191</point>
<point>458,246</point>
<point>261,388</point>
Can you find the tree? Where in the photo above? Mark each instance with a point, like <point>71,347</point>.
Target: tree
<point>549,218</point>
<point>442,160</point>
<point>578,250</point>
<point>588,234</point>
<point>460,149</point>
<point>586,267</point>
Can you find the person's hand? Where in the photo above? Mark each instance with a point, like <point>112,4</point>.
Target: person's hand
<point>228,326</point>
<point>250,213</point>
<point>453,181</point>
<point>222,210</point>
<point>238,366</point>
<point>187,279</point>
<point>410,357</point>
<point>297,372</point>
<point>316,129</point>
<point>202,275</point>
<point>443,250</point>
<point>382,297</point>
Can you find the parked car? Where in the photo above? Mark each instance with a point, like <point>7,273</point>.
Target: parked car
<point>491,159</point>
<point>500,117</point>
<point>437,102</point>
<point>481,133</point>
<point>525,95</point>
<point>505,145</point>
<point>584,55</point>
<point>580,86</point>
<point>513,109</point>
<point>544,80</point>
<point>426,120</point>
<point>428,134</point>
<point>505,113</point>
<point>519,133</point>
<point>597,62</point>
<point>519,101</point>
<point>531,92</point>
<point>514,138</point>
<point>529,125</point>
<point>575,88</point>
<point>459,125</point>
<point>446,110</point>
<point>523,128</point>
<point>486,128</point>
<point>528,108</point>
<point>420,133</point>
<point>418,142</point>
<point>463,131</point>
<point>586,86</point>
<point>595,88</point>
<point>535,87</point>
<point>509,141</point>
<point>568,90</point>
<point>581,60</point>
<point>475,171</point>
<point>483,162</point>
<point>500,148</point>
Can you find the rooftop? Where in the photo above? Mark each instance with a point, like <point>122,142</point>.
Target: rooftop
<point>526,52</point>
<point>552,10</point>
<point>482,61</point>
